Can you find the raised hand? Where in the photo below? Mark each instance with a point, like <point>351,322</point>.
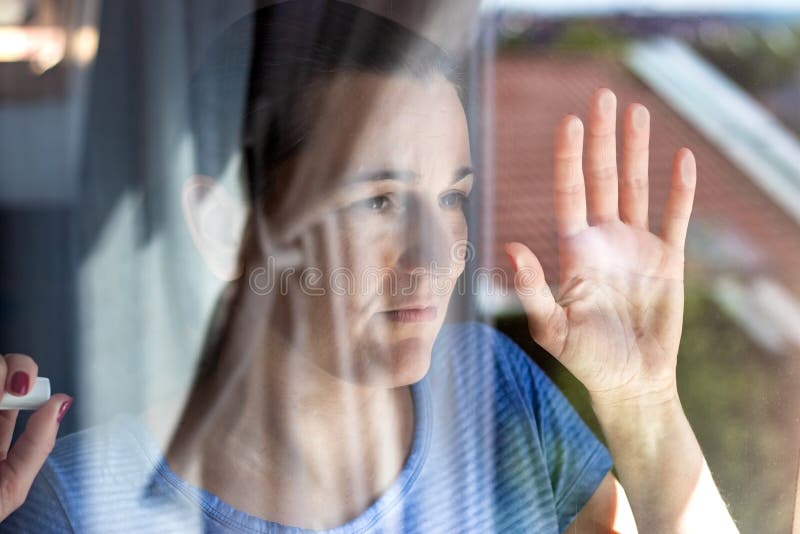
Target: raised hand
<point>616,321</point>
<point>20,464</point>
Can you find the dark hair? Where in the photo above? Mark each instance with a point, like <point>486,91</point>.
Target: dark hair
<point>287,51</point>
<point>294,48</point>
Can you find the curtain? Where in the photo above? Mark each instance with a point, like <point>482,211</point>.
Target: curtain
<point>143,294</point>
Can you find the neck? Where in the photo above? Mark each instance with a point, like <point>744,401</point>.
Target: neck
<point>268,418</point>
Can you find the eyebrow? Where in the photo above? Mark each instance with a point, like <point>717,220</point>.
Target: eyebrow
<point>406,176</point>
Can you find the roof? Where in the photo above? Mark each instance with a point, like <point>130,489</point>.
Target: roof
<point>742,129</point>
<point>736,224</point>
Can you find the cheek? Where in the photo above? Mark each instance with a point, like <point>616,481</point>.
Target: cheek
<point>460,249</point>
<point>376,243</point>
<point>357,262</point>
<point>458,226</point>
<point>369,241</point>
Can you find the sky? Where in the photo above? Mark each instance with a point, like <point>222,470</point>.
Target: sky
<point>665,6</point>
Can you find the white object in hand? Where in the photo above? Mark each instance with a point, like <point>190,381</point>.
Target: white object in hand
<point>35,398</point>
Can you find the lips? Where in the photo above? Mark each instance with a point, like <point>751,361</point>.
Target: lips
<point>412,314</point>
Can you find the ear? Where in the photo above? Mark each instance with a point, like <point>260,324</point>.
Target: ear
<point>215,219</point>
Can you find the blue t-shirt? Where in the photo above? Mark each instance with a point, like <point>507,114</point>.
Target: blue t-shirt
<point>496,448</point>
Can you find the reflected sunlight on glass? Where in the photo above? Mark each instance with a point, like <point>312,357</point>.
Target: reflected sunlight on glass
<point>376,266</point>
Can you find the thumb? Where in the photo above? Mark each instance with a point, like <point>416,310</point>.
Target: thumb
<point>546,319</point>
<point>29,453</point>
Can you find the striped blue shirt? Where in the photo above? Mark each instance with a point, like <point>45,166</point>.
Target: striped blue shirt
<point>496,448</point>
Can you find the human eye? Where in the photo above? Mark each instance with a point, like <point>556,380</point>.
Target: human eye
<point>453,200</point>
<point>376,204</point>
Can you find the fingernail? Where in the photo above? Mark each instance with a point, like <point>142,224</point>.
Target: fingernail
<point>688,168</point>
<point>62,410</point>
<point>20,383</point>
<point>607,101</point>
<point>640,117</point>
<point>575,127</point>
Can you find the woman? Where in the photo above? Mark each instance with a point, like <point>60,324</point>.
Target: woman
<point>336,399</point>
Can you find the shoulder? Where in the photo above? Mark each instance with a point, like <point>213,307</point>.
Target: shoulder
<point>88,474</point>
<point>117,453</point>
<point>483,371</point>
<point>537,430</point>
<point>477,356</point>
<point>491,387</point>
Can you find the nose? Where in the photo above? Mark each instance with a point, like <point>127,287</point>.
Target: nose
<point>425,238</point>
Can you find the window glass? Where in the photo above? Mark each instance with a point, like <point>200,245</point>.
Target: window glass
<point>399,266</point>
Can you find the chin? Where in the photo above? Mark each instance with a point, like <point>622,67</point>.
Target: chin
<point>410,360</point>
<point>401,363</point>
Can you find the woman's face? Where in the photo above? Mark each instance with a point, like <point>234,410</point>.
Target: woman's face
<point>376,201</point>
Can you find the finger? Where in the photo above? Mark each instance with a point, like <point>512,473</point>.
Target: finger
<point>28,454</point>
<point>681,196</point>
<point>21,373</point>
<point>3,370</point>
<point>544,314</point>
<point>601,158</point>
<point>569,192</point>
<point>634,187</point>
<point>8,420</point>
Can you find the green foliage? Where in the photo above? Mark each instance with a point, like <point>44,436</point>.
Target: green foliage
<point>758,58</point>
<point>590,37</point>
<point>579,37</point>
<point>736,397</point>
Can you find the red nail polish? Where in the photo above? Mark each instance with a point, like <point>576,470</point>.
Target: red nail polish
<point>20,383</point>
<point>62,410</point>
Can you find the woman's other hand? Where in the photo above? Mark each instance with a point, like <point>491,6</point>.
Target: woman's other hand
<point>20,463</point>
<point>616,322</point>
